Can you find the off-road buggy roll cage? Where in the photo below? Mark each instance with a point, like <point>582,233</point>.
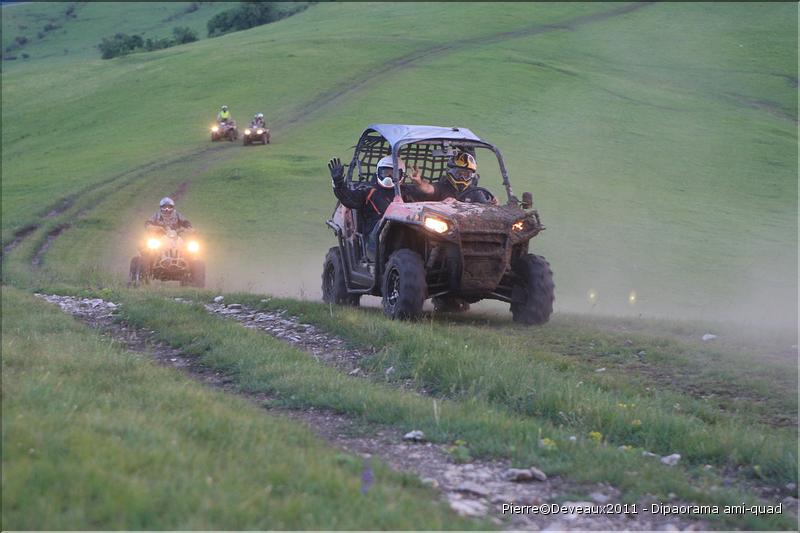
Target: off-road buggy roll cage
<point>454,251</point>
<point>427,147</point>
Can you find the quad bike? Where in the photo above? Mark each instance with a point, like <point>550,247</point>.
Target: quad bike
<point>456,252</point>
<point>167,256</point>
<point>256,134</point>
<point>224,129</point>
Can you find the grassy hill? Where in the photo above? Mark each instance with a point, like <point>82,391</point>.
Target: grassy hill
<point>66,32</point>
<point>669,170</point>
<point>659,141</point>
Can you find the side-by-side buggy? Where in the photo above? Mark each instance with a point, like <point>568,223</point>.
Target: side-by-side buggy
<point>455,252</point>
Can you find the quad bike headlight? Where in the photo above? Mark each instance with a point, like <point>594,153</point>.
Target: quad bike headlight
<point>215,129</point>
<point>436,224</point>
<point>519,225</point>
<point>154,244</point>
<point>259,132</point>
<point>247,132</point>
<point>193,246</point>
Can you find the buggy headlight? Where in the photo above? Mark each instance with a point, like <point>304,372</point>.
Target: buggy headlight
<point>519,225</point>
<point>154,244</point>
<point>436,224</point>
<point>259,132</point>
<point>215,129</point>
<point>193,246</point>
<point>247,131</point>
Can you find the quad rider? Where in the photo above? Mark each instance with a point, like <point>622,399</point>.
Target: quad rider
<point>167,218</point>
<point>224,115</point>
<point>372,202</point>
<point>258,121</point>
<point>461,182</point>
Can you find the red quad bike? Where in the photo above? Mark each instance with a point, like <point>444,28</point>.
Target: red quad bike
<point>457,251</point>
<point>169,256</point>
<point>224,129</point>
<point>256,134</point>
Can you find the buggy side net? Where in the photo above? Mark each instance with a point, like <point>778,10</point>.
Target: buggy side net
<point>430,157</point>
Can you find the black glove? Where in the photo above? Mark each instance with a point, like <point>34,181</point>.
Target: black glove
<point>337,171</point>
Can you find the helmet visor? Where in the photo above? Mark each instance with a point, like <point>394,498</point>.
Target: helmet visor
<point>460,178</point>
<point>385,172</point>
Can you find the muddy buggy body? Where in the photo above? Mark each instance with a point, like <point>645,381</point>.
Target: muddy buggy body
<point>456,252</point>
<point>167,256</point>
<point>256,134</point>
<point>225,129</point>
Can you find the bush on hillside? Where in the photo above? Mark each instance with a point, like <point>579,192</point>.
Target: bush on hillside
<point>248,15</point>
<point>157,44</point>
<point>122,44</point>
<point>119,45</point>
<point>184,35</point>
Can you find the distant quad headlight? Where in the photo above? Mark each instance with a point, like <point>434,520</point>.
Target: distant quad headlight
<point>193,246</point>
<point>154,244</point>
<point>259,132</point>
<point>436,224</point>
<point>215,129</point>
<point>247,132</point>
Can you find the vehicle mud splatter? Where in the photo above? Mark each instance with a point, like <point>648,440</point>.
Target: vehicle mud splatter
<point>478,489</point>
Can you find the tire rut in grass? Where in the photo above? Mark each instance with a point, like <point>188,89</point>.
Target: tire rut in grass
<point>477,488</point>
<point>327,99</point>
<point>331,97</point>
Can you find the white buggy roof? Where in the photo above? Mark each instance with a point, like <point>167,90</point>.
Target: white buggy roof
<point>409,133</point>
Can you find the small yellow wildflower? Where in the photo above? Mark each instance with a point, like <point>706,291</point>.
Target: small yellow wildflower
<point>636,423</point>
<point>596,436</point>
<point>547,444</point>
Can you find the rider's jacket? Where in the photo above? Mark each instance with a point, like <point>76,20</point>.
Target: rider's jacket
<point>371,202</point>
<point>224,115</point>
<point>175,221</point>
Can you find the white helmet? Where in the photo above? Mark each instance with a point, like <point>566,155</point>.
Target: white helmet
<point>259,115</point>
<point>385,180</point>
<point>166,201</point>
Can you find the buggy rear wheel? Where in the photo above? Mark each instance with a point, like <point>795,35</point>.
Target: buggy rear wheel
<point>334,288</point>
<point>404,285</point>
<point>534,293</point>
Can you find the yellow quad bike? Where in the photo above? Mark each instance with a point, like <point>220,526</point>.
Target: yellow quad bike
<point>169,255</point>
<point>456,252</point>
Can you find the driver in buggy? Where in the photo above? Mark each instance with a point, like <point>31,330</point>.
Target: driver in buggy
<point>372,202</point>
<point>167,218</point>
<point>461,183</point>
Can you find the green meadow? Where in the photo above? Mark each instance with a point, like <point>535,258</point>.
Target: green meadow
<point>659,142</point>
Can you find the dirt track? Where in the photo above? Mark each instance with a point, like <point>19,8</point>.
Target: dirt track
<point>476,488</point>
